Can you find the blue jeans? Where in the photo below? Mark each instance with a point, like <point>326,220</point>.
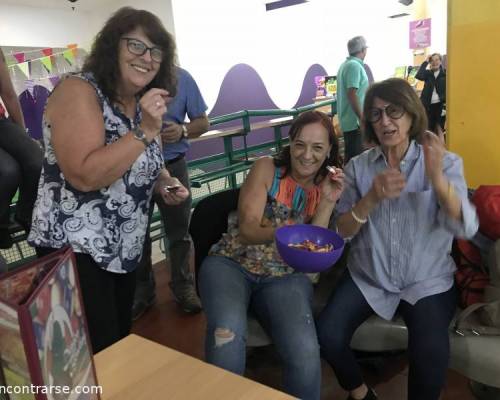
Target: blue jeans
<point>283,307</point>
<point>428,338</point>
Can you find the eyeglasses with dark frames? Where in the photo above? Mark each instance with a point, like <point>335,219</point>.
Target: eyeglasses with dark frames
<point>139,48</point>
<point>392,111</point>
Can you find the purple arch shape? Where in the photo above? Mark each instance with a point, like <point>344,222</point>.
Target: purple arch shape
<point>242,89</point>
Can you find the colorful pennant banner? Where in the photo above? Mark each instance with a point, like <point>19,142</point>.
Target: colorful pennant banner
<point>47,52</point>
<point>48,60</point>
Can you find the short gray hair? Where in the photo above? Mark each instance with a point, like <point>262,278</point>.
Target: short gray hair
<point>356,45</point>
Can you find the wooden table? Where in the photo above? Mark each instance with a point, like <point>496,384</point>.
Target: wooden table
<point>136,368</point>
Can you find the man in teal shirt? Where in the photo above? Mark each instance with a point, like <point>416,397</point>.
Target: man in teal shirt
<point>352,83</point>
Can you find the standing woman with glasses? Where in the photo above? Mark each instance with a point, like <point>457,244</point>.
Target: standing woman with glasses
<point>402,205</point>
<point>102,163</point>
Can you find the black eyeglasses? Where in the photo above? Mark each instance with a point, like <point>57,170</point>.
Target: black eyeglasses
<point>139,48</point>
<point>391,110</point>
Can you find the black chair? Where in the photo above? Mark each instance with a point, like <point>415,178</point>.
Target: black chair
<point>208,223</point>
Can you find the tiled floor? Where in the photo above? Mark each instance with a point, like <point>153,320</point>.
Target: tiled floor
<point>165,323</point>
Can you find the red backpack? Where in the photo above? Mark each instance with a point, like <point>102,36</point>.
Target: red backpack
<point>487,201</point>
<point>471,277</point>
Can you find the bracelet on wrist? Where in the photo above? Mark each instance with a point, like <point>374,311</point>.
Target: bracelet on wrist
<point>139,134</point>
<point>451,191</point>
<point>358,219</point>
<point>184,132</point>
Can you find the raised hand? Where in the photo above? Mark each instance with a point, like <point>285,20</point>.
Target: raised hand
<point>333,184</point>
<point>153,106</point>
<point>388,184</point>
<point>171,132</point>
<point>434,151</point>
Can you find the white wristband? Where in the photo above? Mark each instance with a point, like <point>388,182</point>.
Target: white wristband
<point>357,219</point>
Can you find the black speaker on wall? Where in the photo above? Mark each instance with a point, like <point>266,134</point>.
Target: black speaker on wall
<point>406,2</point>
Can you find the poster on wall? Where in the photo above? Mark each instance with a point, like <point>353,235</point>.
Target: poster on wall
<point>319,82</point>
<point>420,33</point>
<point>331,85</point>
<point>412,72</point>
<point>400,72</point>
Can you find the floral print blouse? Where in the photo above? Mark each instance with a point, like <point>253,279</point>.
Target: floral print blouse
<point>287,203</point>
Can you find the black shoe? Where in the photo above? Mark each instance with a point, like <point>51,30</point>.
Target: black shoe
<point>371,395</point>
<point>141,305</point>
<point>185,295</point>
<point>5,239</point>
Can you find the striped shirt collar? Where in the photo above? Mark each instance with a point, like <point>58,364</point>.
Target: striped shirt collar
<point>412,154</point>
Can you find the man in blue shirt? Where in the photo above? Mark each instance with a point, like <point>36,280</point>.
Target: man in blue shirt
<point>352,83</point>
<point>175,134</point>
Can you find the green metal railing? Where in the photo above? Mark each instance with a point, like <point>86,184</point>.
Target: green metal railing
<point>233,161</point>
<point>228,168</point>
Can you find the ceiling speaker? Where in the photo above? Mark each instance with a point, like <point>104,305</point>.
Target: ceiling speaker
<point>406,2</point>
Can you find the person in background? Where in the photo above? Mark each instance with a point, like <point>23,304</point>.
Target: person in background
<point>352,83</point>
<point>403,204</point>
<point>244,271</point>
<point>20,160</point>
<point>102,163</point>
<point>434,92</point>
<point>175,135</point>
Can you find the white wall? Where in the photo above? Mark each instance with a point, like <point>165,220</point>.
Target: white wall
<point>214,35</point>
<point>438,10</point>
<point>43,27</point>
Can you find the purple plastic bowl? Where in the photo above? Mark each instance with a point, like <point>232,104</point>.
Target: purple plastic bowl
<point>303,260</point>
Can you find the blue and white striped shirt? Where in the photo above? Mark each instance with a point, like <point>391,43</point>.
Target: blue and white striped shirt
<point>403,251</point>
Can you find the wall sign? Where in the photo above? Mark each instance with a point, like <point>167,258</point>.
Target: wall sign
<point>420,33</point>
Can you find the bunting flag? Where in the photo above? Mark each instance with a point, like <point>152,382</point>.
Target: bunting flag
<point>54,80</point>
<point>73,47</point>
<point>20,57</point>
<point>47,63</point>
<point>68,55</point>
<point>47,52</point>
<point>24,67</point>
